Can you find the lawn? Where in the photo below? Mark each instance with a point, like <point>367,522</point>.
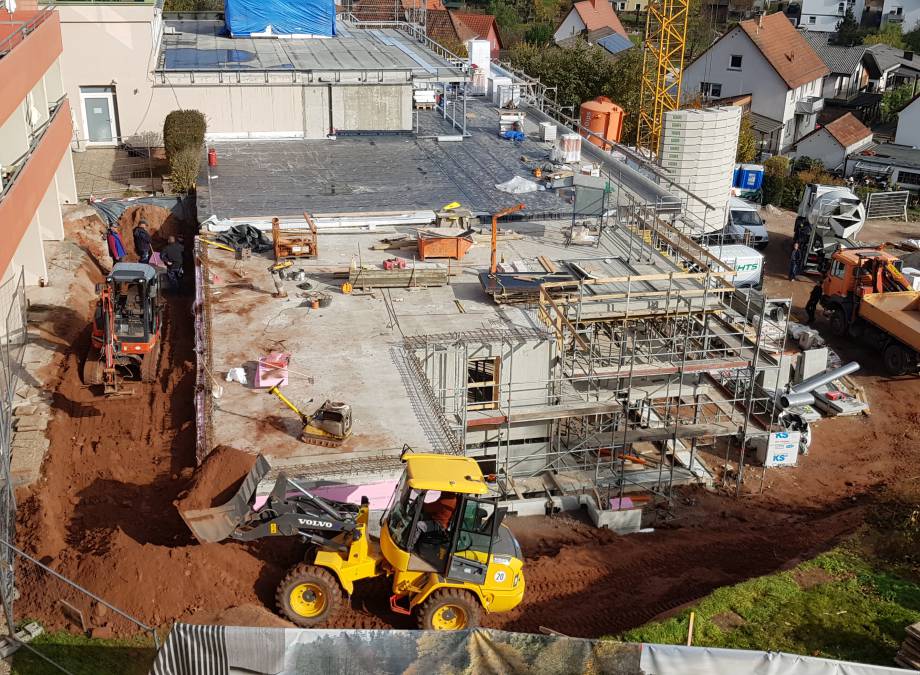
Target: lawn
<point>83,656</point>
<point>841,605</point>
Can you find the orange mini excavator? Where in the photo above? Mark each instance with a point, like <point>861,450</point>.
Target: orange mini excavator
<point>127,328</point>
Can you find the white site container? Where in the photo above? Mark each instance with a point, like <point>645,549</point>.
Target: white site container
<point>547,132</point>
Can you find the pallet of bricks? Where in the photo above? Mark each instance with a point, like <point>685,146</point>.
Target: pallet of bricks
<point>909,655</point>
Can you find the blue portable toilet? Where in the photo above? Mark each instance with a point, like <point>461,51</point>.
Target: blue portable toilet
<point>736,176</point>
<point>750,176</point>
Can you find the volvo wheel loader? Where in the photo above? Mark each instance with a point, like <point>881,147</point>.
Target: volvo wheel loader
<point>127,326</point>
<point>442,542</point>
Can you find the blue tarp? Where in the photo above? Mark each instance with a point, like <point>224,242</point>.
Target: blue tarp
<point>286,17</point>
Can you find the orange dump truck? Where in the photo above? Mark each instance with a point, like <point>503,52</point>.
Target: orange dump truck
<point>866,296</point>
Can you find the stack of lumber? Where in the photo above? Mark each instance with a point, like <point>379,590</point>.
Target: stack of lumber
<point>418,275</point>
<point>909,656</point>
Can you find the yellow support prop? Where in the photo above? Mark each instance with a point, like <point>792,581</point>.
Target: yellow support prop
<point>662,69</point>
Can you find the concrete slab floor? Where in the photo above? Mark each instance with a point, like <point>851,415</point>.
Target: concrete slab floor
<point>349,351</point>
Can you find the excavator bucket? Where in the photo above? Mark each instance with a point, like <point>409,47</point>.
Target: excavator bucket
<point>219,522</point>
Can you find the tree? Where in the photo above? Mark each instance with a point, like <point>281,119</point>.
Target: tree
<point>539,34</point>
<point>776,171</point>
<point>894,100</point>
<point>912,39</point>
<point>747,141</point>
<point>848,31</point>
<point>701,31</point>
<point>889,34</point>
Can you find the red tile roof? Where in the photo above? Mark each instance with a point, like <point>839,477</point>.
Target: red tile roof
<point>597,14</point>
<point>480,24</point>
<point>787,51</point>
<point>847,130</point>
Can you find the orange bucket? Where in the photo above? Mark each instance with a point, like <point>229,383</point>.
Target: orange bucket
<point>314,304</point>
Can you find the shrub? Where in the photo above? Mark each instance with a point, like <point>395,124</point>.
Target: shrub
<point>183,129</point>
<point>776,171</point>
<point>184,166</point>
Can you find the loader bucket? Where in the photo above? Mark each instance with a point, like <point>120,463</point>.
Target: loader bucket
<point>219,522</point>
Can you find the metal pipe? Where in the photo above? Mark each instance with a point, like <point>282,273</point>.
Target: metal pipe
<point>792,400</point>
<point>816,381</point>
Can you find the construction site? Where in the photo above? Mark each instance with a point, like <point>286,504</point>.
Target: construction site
<point>433,286</point>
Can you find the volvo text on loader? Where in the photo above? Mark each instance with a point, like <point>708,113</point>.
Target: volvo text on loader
<point>127,326</point>
<point>444,575</point>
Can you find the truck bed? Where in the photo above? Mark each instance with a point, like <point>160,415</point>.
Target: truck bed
<point>897,314</point>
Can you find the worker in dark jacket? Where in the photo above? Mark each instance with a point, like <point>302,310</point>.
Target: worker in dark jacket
<point>795,262</point>
<point>812,305</point>
<point>116,247</point>
<point>171,256</point>
<point>142,243</point>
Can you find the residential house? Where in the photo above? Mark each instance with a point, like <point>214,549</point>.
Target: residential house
<point>36,172</point>
<point>824,15</point>
<point>587,16</point>
<point>615,44</point>
<point>895,164</point>
<point>908,132</point>
<point>769,59</point>
<point>906,13</point>
<point>848,75</point>
<point>637,6</point>
<point>835,141</point>
<point>889,67</point>
<point>452,28</point>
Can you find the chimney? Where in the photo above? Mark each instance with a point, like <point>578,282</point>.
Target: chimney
<point>594,3</point>
<point>908,55</point>
<point>760,19</point>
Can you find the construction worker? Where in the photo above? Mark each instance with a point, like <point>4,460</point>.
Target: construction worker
<point>171,256</point>
<point>795,262</point>
<point>441,510</point>
<point>142,243</point>
<point>812,305</point>
<point>116,246</point>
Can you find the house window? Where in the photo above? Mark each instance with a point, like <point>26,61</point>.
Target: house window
<point>735,63</point>
<point>908,177</point>
<point>482,383</point>
<point>711,89</point>
<point>899,11</point>
<point>812,20</point>
<point>638,6</point>
<point>840,8</point>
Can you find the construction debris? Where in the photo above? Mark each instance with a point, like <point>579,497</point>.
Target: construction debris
<point>909,654</point>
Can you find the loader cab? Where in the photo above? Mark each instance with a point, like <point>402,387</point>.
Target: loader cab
<point>442,520</point>
<point>135,292</point>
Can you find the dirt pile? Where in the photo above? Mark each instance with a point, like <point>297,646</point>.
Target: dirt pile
<point>161,224</point>
<point>217,479</point>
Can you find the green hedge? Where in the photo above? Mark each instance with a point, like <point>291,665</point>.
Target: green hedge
<point>183,129</point>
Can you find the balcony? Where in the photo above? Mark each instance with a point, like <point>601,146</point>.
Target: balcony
<point>30,43</point>
<point>28,178</point>
<point>809,105</point>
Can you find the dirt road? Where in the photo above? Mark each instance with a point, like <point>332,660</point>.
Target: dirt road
<point>103,513</point>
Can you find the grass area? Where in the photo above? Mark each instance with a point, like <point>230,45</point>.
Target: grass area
<point>81,655</point>
<point>841,605</point>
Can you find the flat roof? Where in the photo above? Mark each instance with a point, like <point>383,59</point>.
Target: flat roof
<point>206,46</point>
<point>378,173</point>
<point>354,350</point>
<point>890,154</point>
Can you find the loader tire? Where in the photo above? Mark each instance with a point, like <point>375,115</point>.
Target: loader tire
<point>308,596</point>
<point>449,609</point>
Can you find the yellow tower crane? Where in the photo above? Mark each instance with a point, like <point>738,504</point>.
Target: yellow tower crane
<point>662,67</point>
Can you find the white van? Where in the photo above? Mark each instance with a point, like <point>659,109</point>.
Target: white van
<point>747,263</point>
<point>744,217</point>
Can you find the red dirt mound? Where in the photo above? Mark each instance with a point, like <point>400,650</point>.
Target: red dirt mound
<point>217,479</point>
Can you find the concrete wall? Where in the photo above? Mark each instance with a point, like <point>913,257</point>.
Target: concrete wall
<point>908,132</point>
<point>112,45</point>
<point>524,371</point>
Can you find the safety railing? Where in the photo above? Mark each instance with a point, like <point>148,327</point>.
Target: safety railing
<point>21,30</point>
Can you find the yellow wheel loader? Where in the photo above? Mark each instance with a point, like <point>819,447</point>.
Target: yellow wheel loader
<point>441,541</point>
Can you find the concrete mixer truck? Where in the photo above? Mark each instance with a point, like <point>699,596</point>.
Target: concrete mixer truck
<point>829,218</point>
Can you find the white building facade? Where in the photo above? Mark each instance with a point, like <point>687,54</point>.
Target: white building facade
<point>824,15</point>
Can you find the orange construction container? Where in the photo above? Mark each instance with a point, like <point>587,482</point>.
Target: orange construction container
<point>433,245</point>
<point>602,117</point>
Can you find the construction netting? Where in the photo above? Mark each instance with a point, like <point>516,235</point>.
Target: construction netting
<point>221,650</point>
